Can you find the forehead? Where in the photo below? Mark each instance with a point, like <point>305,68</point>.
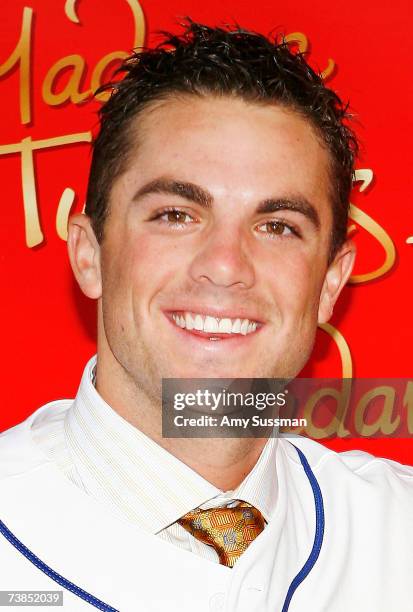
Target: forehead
<point>247,151</point>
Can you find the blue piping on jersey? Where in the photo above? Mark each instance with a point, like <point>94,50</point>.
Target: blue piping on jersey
<point>93,601</point>
<point>319,531</point>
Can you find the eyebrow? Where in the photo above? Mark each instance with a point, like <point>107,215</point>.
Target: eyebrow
<point>297,204</point>
<point>199,195</point>
<point>189,191</point>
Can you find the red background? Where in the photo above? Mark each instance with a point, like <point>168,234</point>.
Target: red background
<point>48,326</point>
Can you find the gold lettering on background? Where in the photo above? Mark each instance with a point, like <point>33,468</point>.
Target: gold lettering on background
<point>139,22</point>
<point>63,210</point>
<point>383,422</point>
<point>71,91</point>
<point>76,65</point>
<point>365,176</point>
<point>33,231</point>
<point>139,37</point>
<point>301,40</point>
<point>336,425</point>
<point>100,67</point>
<point>137,14</point>
<point>341,396</point>
<point>70,10</point>
<point>21,56</point>
<point>327,72</point>
<point>392,417</point>
<point>343,349</point>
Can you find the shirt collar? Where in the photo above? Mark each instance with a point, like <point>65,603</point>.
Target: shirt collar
<point>142,481</point>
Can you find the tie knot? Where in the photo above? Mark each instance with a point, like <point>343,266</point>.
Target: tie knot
<point>229,530</point>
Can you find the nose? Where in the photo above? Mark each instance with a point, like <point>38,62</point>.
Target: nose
<point>223,260</point>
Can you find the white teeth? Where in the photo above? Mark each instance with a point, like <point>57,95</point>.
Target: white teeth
<point>225,326</point>
<point>189,322</point>
<point>244,327</point>
<point>211,324</point>
<point>180,321</point>
<point>214,325</point>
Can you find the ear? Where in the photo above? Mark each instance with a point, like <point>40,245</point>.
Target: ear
<point>336,277</point>
<point>84,255</point>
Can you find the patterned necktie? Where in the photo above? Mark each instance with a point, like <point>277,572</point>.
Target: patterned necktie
<point>229,530</point>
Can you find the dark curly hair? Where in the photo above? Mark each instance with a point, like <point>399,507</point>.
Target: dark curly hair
<point>215,61</point>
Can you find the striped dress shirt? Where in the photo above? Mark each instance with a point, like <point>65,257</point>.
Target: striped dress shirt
<point>138,480</point>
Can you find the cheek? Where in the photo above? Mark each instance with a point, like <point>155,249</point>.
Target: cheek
<point>151,256</point>
<point>295,283</point>
<point>150,269</point>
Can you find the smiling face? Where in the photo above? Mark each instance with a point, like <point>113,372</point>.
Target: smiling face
<point>214,260</point>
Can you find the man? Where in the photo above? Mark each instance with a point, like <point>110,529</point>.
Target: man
<point>214,242</point>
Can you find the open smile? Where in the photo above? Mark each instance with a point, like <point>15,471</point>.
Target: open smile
<point>211,327</point>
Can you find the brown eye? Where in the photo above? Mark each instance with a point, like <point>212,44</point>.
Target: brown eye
<point>176,216</point>
<point>275,227</point>
<point>173,218</point>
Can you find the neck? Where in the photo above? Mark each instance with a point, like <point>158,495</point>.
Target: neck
<point>224,462</point>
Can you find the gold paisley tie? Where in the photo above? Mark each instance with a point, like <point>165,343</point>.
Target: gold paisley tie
<point>229,530</point>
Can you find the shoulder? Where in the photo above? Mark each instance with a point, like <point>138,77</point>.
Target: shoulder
<point>19,453</point>
<point>350,466</point>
